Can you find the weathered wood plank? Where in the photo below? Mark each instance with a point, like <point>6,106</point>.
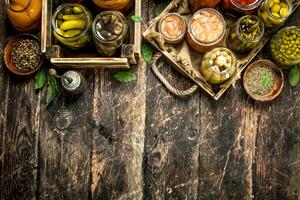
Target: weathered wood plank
<point>65,146</point>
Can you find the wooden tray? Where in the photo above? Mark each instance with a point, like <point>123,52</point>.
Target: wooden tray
<point>194,73</point>
<point>64,58</point>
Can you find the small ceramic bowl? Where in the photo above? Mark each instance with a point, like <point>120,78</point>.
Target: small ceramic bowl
<point>8,59</point>
<point>276,90</point>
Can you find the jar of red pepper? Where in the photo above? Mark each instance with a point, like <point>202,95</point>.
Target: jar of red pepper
<point>240,7</point>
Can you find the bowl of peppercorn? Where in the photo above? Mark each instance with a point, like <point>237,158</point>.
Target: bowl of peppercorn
<point>22,55</point>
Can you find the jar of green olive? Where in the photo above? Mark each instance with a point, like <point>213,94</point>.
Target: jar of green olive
<point>72,24</point>
<point>218,65</point>
<point>246,34</point>
<point>285,47</point>
<point>274,12</point>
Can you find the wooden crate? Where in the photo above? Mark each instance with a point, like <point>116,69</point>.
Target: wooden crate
<point>64,58</point>
<point>193,73</point>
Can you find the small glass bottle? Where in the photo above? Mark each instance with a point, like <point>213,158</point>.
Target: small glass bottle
<point>274,12</point>
<point>246,34</point>
<point>72,24</point>
<point>110,30</point>
<point>116,5</point>
<point>240,7</point>
<point>285,47</point>
<point>24,15</point>
<point>196,5</point>
<point>206,29</point>
<point>218,65</point>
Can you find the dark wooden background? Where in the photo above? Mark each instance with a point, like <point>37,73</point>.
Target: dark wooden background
<point>137,141</point>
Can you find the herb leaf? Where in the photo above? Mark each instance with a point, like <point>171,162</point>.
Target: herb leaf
<point>147,52</point>
<point>40,78</point>
<point>124,76</point>
<point>294,76</point>
<point>52,89</point>
<point>266,80</point>
<point>161,7</point>
<point>136,18</point>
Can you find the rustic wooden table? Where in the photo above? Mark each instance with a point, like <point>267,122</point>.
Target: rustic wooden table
<point>136,140</point>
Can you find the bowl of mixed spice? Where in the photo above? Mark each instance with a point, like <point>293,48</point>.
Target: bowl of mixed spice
<point>263,80</point>
<point>22,55</point>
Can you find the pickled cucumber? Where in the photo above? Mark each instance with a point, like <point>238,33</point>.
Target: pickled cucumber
<point>73,16</point>
<point>72,24</point>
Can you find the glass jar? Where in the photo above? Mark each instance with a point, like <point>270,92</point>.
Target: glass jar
<point>24,15</point>
<point>110,30</point>
<point>285,47</point>
<point>172,28</point>
<point>274,12</point>
<point>240,7</point>
<point>196,5</point>
<point>206,29</point>
<point>246,34</point>
<point>119,5</point>
<point>72,24</point>
<point>218,65</point>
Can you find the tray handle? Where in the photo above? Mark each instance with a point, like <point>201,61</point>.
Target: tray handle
<point>155,68</point>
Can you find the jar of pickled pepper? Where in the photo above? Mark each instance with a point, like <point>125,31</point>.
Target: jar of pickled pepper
<point>196,5</point>
<point>274,12</point>
<point>72,24</point>
<point>218,65</point>
<point>246,34</point>
<point>24,15</point>
<point>240,7</point>
<point>285,47</point>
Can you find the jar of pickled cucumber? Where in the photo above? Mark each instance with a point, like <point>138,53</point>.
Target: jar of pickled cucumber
<point>240,7</point>
<point>246,34</point>
<point>274,12</point>
<point>72,24</point>
<point>285,47</point>
<point>24,15</point>
<point>218,65</point>
<point>110,30</point>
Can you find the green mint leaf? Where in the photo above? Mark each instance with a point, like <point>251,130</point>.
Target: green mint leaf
<point>52,89</point>
<point>161,7</point>
<point>266,80</point>
<point>136,18</point>
<point>147,52</point>
<point>294,76</point>
<point>40,78</point>
<point>124,76</point>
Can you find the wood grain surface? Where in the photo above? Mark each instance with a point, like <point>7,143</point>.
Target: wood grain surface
<point>137,141</point>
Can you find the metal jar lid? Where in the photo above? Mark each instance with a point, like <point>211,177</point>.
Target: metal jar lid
<point>71,80</point>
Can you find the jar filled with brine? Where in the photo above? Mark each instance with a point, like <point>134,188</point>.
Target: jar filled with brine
<point>206,29</point>
<point>72,24</point>
<point>246,34</point>
<point>110,30</point>
<point>196,5</point>
<point>119,5</point>
<point>218,65</point>
<point>240,7</point>
<point>285,47</point>
<point>24,15</point>
<point>274,12</point>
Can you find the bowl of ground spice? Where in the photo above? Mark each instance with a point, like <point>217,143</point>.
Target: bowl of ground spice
<point>263,80</point>
<point>22,55</point>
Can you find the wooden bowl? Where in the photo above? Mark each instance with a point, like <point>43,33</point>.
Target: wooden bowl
<point>8,59</point>
<point>277,89</point>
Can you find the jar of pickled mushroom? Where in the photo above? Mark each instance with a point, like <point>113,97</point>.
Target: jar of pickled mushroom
<point>119,5</point>
<point>246,34</point>
<point>196,5</point>
<point>240,7</point>
<point>285,47</point>
<point>172,28</point>
<point>110,30</point>
<point>218,65</point>
<point>24,15</point>
<point>274,12</point>
<point>72,24</point>
<point>206,29</point>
